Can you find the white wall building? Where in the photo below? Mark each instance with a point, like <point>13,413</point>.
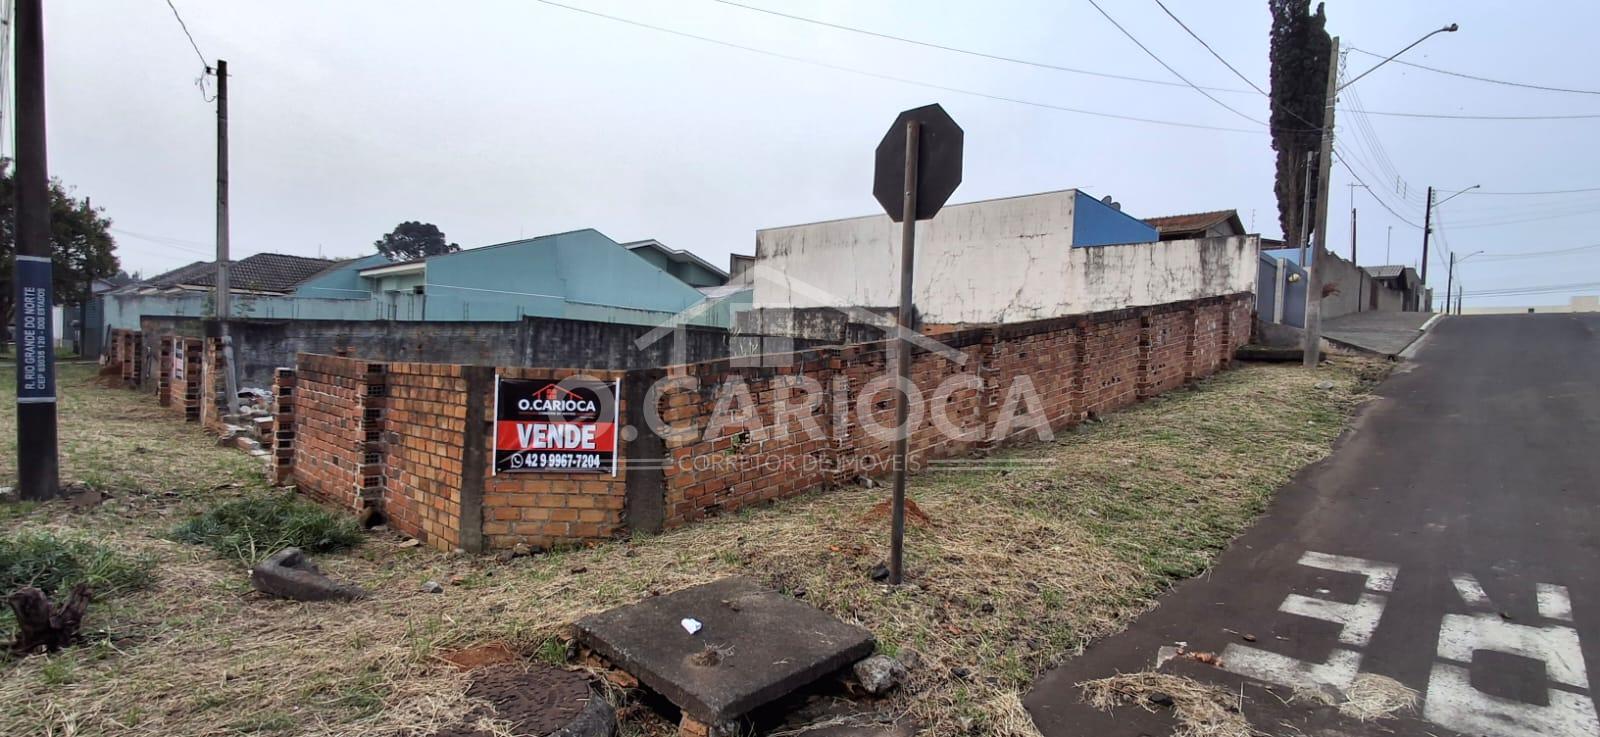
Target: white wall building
<point>1006,260</point>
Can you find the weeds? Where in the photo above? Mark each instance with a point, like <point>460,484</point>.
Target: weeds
<point>53,563</point>
<point>253,527</point>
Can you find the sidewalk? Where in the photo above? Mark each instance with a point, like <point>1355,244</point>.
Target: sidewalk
<point>1382,333</point>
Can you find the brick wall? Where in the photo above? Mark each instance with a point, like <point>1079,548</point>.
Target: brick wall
<point>416,438</point>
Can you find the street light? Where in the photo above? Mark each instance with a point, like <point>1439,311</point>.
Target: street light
<point>1452,28</point>
<point>1427,230</point>
<point>1450,276</point>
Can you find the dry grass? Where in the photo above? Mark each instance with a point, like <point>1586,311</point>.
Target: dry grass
<point>1019,570</point>
<point>1200,709</point>
<point>1372,696</point>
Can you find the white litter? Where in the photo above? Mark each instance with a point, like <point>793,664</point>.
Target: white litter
<point>691,625</point>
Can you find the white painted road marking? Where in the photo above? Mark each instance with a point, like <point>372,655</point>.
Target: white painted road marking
<point>1454,703</point>
<point>1356,624</point>
<point>1451,700</point>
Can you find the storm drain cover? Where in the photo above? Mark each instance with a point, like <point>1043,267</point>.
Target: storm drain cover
<point>536,701</point>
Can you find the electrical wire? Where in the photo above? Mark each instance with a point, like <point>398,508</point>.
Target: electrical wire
<point>204,65</point>
<point>1548,191</point>
<point>1341,159</point>
<point>1546,88</point>
<point>1214,53</point>
<point>1495,257</point>
<point>891,78</point>
<point>178,243</point>
<point>1452,116</point>
<point>1169,67</point>
<point>969,52</point>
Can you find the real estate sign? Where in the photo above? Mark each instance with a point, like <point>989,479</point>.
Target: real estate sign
<point>550,426</point>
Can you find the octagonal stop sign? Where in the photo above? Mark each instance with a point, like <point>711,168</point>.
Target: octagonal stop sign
<point>938,163</point>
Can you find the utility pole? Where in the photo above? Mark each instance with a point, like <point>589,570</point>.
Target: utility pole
<point>1313,333</point>
<point>224,308</point>
<point>38,467</point>
<point>1427,228</point>
<point>1353,261</point>
<point>1449,282</point>
<point>1388,247</point>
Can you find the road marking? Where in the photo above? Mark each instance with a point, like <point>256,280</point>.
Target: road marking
<point>1356,622</point>
<point>1454,703</point>
<point>1470,592</point>
<point>1380,576</point>
<point>1554,602</point>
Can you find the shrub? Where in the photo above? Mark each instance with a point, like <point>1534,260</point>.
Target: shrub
<point>254,527</point>
<point>51,563</point>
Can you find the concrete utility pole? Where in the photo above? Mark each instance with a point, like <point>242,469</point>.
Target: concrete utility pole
<point>1353,261</point>
<point>1427,228</point>
<point>1449,282</point>
<point>38,467</point>
<point>224,306</point>
<point>1312,348</point>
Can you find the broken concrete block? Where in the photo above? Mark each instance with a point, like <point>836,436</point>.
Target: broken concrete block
<point>243,442</point>
<point>290,574</point>
<point>879,673</point>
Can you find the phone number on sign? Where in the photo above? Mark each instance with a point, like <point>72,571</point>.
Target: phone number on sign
<point>555,461</point>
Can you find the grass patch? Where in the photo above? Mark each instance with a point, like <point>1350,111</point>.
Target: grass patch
<point>53,563</point>
<point>253,527</point>
<point>1059,545</point>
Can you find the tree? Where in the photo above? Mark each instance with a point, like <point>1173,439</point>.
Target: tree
<point>81,247</point>
<point>412,239</point>
<point>1299,75</point>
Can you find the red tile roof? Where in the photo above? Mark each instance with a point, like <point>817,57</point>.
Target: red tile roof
<point>1191,221</point>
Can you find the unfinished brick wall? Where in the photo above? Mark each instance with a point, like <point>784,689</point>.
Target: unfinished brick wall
<point>284,385</point>
<point>423,452</point>
<point>125,350</point>
<point>417,438</point>
<point>337,430</point>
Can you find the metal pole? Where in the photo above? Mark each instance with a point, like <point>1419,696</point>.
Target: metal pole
<point>38,467</point>
<point>1427,228</point>
<point>902,441</point>
<point>1313,333</point>
<point>224,306</point>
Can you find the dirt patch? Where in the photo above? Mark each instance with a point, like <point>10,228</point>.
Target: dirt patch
<point>494,653</point>
<point>914,514</point>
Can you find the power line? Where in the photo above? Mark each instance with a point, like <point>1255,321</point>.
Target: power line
<point>1548,191</point>
<point>1514,221</point>
<point>1492,257</point>
<point>1341,159</point>
<point>1526,85</point>
<point>1538,289</point>
<point>891,78</point>
<point>969,52</point>
<point>205,66</point>
<point>1453,116</point>
<point>1214,53</point>
<point>1169,67</point>
<point>178,243</point>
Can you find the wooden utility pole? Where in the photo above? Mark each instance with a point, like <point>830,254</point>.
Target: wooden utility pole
<point>1313,332</point>
<point>902,352</point>
<point>223,298</point>
<point>38,467</point>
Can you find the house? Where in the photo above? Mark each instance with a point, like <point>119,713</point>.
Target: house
<point>1214,224</point>
<point>689,268</point>
<point>580,275</point>
<point>997,261</point>
<point>1395,288</point>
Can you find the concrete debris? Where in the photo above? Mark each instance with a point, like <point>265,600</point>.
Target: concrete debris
<point>879,673</point>
<point>410,542</point>
<point>432,587</point>
<point>290,574</point>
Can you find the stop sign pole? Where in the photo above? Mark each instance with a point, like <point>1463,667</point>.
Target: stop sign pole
<point>918,167</point>
<point>902,439</point>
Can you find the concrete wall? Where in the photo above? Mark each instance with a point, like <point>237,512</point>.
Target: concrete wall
<point>998,261</point>
<point>261,346</point>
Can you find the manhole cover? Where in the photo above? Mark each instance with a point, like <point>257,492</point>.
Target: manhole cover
<point>536,701</point>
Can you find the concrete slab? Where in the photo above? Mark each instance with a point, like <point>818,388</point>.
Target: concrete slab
<point>755,645</point>
<point>1382,333</point>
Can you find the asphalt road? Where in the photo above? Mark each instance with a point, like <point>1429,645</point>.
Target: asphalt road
<point>1450,542</point>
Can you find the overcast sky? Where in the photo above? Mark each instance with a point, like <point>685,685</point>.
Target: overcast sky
<point>498,120</point>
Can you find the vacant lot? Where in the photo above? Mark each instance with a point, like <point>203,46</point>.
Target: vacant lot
<point>1019,568</point>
